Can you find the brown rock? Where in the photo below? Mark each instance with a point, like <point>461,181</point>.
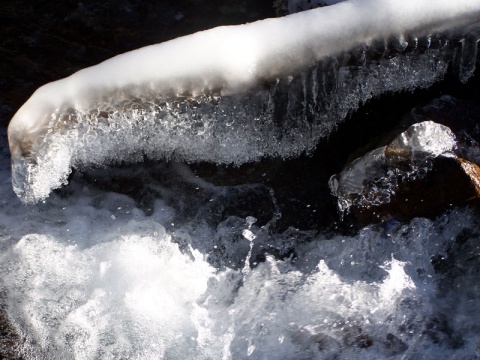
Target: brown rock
<point>451,182</point>
<point>472,170</point>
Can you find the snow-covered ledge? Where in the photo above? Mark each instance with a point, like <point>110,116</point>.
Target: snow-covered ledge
<point>212,95</point>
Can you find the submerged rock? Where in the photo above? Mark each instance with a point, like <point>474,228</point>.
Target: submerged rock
<point>417,174</point>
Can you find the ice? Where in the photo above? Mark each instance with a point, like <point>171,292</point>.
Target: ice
<point>237,94</point>
<point>423,140</point>
<point>408,156</point>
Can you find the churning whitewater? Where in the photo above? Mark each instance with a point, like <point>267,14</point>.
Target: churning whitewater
<point>237,94</point>
<point>171,268</point>
<point>92,276</point>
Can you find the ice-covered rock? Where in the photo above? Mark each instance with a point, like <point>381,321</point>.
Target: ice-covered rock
<point>411,176</point>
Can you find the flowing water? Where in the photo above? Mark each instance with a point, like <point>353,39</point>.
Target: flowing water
<point>97,274</point>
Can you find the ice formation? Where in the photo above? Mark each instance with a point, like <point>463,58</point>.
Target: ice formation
<point>236,94</point>
<point>407,156</point>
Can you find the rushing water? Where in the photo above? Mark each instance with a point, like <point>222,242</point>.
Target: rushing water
<point>97,274</point>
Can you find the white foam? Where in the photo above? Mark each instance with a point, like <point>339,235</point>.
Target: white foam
<point>126,290</point>
<point>129,296</point>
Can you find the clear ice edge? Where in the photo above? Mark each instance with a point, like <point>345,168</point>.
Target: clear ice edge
<point>280,118</point>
